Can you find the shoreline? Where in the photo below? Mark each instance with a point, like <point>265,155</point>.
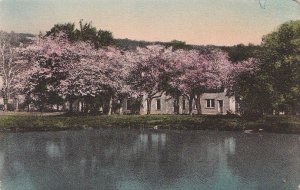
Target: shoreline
<point>160,128</point>
<point>44,123</point>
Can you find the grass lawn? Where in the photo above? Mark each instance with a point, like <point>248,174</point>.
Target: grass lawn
<point>48,122</point>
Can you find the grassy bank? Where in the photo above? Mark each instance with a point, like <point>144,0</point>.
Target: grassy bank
<point>37,122</point>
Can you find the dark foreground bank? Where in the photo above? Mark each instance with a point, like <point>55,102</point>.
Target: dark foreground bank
<point>23,123</point>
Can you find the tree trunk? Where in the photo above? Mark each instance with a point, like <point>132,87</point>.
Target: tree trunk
<point>17,105</point>
<point>121,107</point>
<point>110,105</point>
<point>5,107</point>
<point>79,106</point>
<point>191,105</point>
<point>5,102</point>
<point>86,106</point>
<point>149,100</point>
<point>42,107</point>
<point>176,105</point>
<point>97,108</point>
<point>71,106</point>
<point>198,104</point>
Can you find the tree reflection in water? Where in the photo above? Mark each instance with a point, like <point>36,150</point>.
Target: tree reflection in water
<point>133,159</point>
<point>270,161</point>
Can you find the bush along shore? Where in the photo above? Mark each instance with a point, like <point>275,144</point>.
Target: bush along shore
<point>25,123</point>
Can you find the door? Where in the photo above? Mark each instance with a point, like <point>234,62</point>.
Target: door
<point>220,106</point>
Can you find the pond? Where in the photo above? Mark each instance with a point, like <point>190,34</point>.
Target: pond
<point>148,159</point>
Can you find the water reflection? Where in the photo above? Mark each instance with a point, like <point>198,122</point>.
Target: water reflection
<point>131,159</point>
<point>229,145</point>
<point>53,149</point>
<point>269,162</point>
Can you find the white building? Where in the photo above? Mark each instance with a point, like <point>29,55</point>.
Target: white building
<point>211,104</point>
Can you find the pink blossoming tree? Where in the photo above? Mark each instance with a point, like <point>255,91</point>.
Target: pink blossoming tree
<point>12,66</point>
<point>62,70</point>
<point>198,72</point>
<point>147,71</point>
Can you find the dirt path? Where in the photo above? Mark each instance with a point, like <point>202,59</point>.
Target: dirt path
<point>31,113</point>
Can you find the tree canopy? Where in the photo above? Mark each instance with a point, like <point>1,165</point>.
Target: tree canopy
<point>70,63</point>
<point>281,66</point>
<point>85,32</point>
<point>276,87</point>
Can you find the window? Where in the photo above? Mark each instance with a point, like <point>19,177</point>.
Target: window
<point>158,104</point>
<point>183,104</point>
<point>210,103</point>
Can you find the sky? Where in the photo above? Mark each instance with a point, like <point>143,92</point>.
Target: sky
<point>199,22</point>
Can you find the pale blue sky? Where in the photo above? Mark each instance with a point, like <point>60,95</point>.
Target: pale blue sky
<point>218,22</point>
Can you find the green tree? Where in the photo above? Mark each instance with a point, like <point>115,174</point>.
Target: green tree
<point>281,66</point>
<point>253,94</point>
<point>85,32</point>
<point>176,44</point>
<point>67,28</point>
<point>276,86</point>
<point>241,52</point>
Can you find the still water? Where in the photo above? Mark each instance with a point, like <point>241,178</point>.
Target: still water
<point>135,159</point>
